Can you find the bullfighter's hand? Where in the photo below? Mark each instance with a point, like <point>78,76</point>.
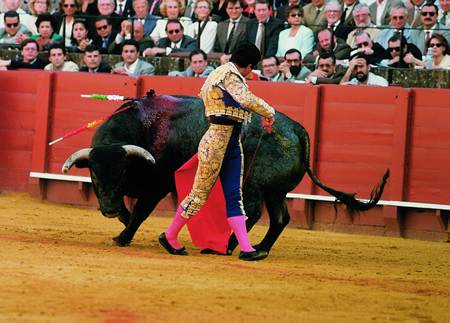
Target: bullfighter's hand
<point>268,123</point>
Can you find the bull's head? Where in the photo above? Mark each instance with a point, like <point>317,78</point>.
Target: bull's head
<point>107,165</point>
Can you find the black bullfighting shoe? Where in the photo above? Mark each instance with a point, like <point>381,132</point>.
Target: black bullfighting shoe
<point>253,255</point>
<point>163,242</point>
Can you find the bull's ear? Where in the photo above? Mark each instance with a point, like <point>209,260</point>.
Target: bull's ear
<point>82,163</point>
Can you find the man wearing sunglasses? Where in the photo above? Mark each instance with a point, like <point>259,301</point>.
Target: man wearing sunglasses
<point>175,42</point>
<point>13,33</point>
<point>397,46</point>
<point>422,35</point>
<point>373,51</point>
<point>105,34</point>
<point>398,21</point>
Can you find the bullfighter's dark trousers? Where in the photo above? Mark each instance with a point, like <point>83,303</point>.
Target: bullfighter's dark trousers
<point>219,154</point>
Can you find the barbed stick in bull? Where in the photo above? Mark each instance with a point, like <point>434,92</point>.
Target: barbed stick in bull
<point>94,123</point>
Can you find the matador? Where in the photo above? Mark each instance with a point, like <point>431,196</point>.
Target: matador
<point>228,104</point>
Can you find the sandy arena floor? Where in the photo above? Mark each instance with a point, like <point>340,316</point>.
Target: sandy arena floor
<point>58,265</point>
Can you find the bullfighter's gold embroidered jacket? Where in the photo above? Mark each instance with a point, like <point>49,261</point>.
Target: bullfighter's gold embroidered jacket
<point>227,77</point>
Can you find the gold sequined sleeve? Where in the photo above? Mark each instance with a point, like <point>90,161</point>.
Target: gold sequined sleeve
<point>239,91</point>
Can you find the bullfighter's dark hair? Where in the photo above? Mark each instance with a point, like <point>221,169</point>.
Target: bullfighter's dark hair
<point>396,37</point>
<point>293,50</point>
<point>245,55</point>
<point>196,52</point>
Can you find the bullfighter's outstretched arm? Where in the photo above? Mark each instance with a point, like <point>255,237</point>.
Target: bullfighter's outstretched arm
<point>239,91</point>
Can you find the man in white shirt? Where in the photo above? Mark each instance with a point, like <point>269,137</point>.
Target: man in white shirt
<point>131,64</point>
<point>57,58</point>
<point>360,69</point>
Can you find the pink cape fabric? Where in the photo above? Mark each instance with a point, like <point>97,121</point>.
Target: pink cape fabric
<point>209,227</point>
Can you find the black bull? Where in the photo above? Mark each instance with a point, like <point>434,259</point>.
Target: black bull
<point>170,128</point>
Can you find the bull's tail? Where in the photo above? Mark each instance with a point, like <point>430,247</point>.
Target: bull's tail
<point>347,198</point>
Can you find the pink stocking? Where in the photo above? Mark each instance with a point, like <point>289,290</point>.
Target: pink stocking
<point>175,227</point>
<point>237,224</point>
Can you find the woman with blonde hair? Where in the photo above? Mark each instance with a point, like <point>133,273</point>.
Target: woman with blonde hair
<point>204,30</point>
<point>36,8</point>
<point>170,10</point>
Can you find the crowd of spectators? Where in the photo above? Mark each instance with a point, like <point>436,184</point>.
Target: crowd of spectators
<point>338,39</point>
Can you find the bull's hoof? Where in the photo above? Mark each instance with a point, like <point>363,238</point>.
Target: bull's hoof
<point>253,255</point>
<point>209,251</point>
<point>118,242</point>
<point>166,245</point>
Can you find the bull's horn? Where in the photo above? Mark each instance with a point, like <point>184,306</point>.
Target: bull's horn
<point>139,151</point>
<point>78,155</point>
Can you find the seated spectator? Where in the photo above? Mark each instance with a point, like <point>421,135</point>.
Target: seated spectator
<point>141,9</point>
<point>80,39</point>
<point>105,34</point>
<point>170,10</point>
<point>204,30</point>
<point>430,25</point>
<point>46,35</point>
<point>65,17</point>
<point>29,49</point>
<point>374,52</point>
<point>414,7</point>
<point>131,64</point>
<point>314,14</point>
<point>175,42</point>
<point>291,69</point>
<point>440,53</point>
<point>93,61</point>
<point>333,16</point>
<point>380,10</point>
<point>231,32</point>
<point>198,67</point>
<point>359,68</point>
<point>126,32</point>
<point>409,51</point>
<point>36,8</point>
<point>57,58</point>
<point>270,69</point>
<point>15,5</point>
<point>398,23</point>
<point>326,43</point>
<point>106,8</point>
<point>297,36</point>
<point>326,71</point>
<point>14,32</point>
<point>263,31</point>
<point>363,23</point>
<point>282,11</point>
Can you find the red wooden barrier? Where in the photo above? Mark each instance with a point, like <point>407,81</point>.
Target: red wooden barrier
<point>356,133</point>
